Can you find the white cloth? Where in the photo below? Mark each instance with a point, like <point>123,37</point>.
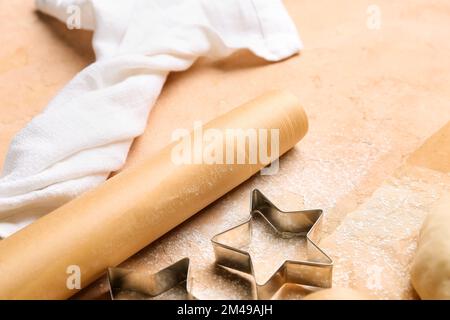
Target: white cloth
<point>86,130</point>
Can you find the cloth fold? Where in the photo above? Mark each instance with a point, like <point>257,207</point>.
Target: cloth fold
<point>87,129</point>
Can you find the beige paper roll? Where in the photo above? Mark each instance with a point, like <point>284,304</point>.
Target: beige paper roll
<point>105,226</point>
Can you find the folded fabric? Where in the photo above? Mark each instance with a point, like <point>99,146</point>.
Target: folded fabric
<point>87,129</point>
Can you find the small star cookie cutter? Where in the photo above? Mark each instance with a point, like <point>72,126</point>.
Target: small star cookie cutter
<point>132,285</point>
<point>316,271</point>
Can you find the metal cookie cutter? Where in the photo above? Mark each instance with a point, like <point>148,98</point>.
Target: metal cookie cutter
<point>134,285</point>
<point>315,271</point>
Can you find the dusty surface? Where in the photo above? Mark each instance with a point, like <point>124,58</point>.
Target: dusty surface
<point>374,245</point>
<point>372,96</point>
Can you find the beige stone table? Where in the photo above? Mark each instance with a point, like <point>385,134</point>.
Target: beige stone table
<point>374,92</point>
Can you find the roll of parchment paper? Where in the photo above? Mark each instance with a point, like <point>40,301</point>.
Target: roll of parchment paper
<point>105,226</point>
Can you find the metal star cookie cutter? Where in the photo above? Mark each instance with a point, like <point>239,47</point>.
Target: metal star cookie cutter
<point>315,271</point>
<point>132,285</point>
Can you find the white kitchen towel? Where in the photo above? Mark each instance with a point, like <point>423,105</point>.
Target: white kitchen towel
<point>87,129</point>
